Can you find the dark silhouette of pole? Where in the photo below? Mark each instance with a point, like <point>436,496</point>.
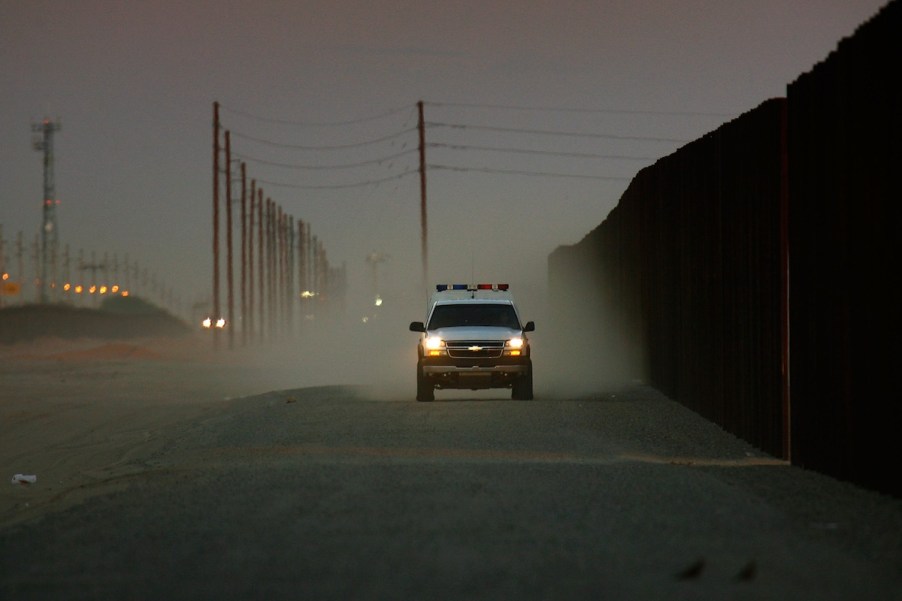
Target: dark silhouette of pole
<point>280,269</point>
<point>215,315</point>
<point>421,126</point>
<point>317,289</point>
<point>290,296</point>
<point>302,256</point>
<point>267,281</point>
<point>283,264</point>
<point>271,264</point>
<point>261,276</point>
<point>277,269</point>
<point>326,278</point>
<point>67,262</point>
<point>20,260</point>
<point>288,229</point>
<point>250,260</point>
<point>243,254</point>
<point>230,280</point>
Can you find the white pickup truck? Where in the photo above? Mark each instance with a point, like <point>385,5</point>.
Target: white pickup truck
<point>473,339</point>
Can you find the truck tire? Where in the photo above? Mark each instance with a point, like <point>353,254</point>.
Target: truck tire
<point>522,387</point>
<point>425,391</point>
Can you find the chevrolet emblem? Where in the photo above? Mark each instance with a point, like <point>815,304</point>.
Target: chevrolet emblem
<point>475,348</point>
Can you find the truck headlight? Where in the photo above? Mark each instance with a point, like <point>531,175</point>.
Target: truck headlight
<point>513,347</point>
<point>435,346</point>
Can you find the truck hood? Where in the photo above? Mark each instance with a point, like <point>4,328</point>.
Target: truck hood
<point>475,333</point>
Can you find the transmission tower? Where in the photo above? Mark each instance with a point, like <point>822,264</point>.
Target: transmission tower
<point>374,258</point>
<point>49,236</point>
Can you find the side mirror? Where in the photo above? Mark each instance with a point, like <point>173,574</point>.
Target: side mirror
<point>417,326</point>
<point>530,326</point>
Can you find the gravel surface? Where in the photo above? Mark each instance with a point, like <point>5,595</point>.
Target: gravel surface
<point>337,493</point>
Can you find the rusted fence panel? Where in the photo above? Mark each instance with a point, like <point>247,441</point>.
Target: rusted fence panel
<point>690,262</point>
<point>758,267</point>
<point>845,120</point>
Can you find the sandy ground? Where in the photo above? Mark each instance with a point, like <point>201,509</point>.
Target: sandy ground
<point>77,414</point>
<point>626,487</point>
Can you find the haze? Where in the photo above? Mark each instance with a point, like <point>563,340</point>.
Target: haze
<point>133,85</point>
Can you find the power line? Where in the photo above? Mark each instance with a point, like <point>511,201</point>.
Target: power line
<point>362,184</point>
<point>325,148</point>
<point>384,160</point>
<point>308,167</point>
<point>577,110</point>
<point>530,173</point>
<point>375,117</point>
<point>543,132</point>
<point>578,155</point>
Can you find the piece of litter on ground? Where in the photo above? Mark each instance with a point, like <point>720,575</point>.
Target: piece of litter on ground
<point>24,479</point>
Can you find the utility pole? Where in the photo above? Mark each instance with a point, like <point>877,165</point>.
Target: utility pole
<point>67,273</point>
<point>317,284</point>
<point>374,258</point>
<point>36,262</point>
<point>216,314</point>
<point>92,289</point>
<point>20,260</point>
<point>291,296</point>
<point>280,270</point>
<point>261,326</point>
<point>49,236</point>
<point>250,260</point>
<point>304,270</point>
<point>243,254</point>
<point>270,318</point>
<point>20,257</point>
<point>421,126</point>
<point>271,265</point>
<point>230,296</point>
<point>302,257</point>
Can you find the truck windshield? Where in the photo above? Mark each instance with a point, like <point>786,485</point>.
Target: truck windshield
<point>452,316</point>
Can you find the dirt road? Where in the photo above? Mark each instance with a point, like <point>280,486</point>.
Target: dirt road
<point>194,477</point>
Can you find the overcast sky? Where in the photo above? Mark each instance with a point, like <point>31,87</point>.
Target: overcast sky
<point>133,84</point>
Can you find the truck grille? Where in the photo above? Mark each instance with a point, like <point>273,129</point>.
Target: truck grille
<point>475,349</point>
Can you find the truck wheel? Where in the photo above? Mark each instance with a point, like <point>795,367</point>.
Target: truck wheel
<point>425,391</point>
<point>522,387</point>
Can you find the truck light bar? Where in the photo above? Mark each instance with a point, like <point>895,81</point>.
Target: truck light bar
<point>496,287</point>
<point>472,288</point>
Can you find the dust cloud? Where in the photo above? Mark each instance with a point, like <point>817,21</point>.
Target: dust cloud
<point>356,345</point>
<point>588,345</point>
<point>579,348</point>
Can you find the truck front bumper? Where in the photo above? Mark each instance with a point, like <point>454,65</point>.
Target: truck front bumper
<point>475,377</point>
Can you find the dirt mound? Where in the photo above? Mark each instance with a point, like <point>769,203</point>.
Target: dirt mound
<point>29,322</point>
